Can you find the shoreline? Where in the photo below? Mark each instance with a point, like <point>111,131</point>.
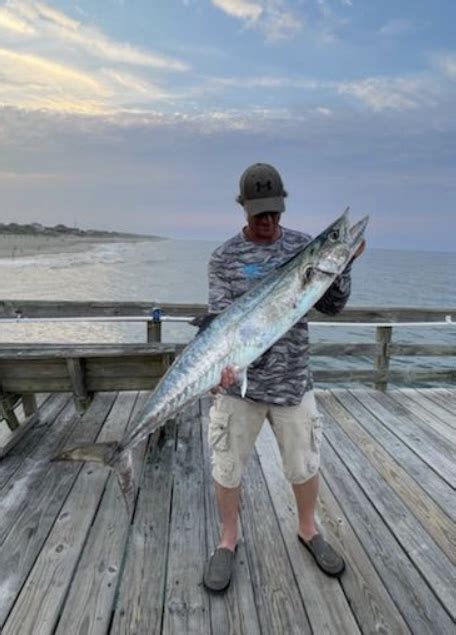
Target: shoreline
<point>14,246</point>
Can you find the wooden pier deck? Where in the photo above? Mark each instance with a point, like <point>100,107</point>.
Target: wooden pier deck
<point>72,561</point>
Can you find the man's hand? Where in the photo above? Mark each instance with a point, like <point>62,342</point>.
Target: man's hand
<point>227,379</point>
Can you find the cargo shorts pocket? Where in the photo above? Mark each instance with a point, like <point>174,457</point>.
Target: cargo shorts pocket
<point>317,433</point>
<point>219,431</point>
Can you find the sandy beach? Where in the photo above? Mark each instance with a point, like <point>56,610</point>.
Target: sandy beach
<point>20,245</point>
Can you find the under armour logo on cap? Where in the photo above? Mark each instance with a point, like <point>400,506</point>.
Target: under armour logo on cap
<point>260,186</point>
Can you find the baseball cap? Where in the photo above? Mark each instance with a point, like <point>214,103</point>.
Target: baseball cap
<point>261,190</point>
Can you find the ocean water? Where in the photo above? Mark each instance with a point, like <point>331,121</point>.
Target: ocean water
<point>175,271</point>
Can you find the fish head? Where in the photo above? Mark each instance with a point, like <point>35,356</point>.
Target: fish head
<point>332,248</point>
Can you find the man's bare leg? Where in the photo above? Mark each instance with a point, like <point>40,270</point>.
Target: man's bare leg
<point>306,495</point>
<point>228,499</point>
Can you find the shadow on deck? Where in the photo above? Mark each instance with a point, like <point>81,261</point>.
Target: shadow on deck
<point>71,561</point>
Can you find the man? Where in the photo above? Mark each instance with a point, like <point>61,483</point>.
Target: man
<point>279,386</point>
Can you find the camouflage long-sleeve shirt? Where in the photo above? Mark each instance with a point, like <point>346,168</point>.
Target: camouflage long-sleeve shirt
<point>282,374</point>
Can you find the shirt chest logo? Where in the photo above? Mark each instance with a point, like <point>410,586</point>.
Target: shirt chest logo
<point>257,269</point>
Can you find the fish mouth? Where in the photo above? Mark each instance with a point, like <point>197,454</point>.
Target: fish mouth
<point>356,234</point>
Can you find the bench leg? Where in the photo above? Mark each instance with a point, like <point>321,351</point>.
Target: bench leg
<point>7,412</point>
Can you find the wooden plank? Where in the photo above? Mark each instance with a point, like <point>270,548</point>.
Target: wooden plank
<point>434,565</point>
<point>346,375</point>
<point>414,434</point>
<point>279,603</point>
<point>369,598</point>
<point>49,411</point>
<point>69,308</point>
<point>433,407</point>
<point>325,602</point>
<point>95,384</point>
<point>54,567</point>
<point>233,612</point>
<point>409,375</point>
<point>444,398</point>
<point>89,604</point>
<point>28,482</point>
<point>419,606</point>
<point>340,349</point>
<point>438,489</point>
<point>139,607</point>
<point>26,350</point>
<point>76,373</point>
<point>17,434</point>
<point>98,367</point>
<point>42,498</point>
<point>422,350</point>
<point>37,384</point>
<point>51,308</point>
<point>29,351</point>
<point>436,522</point>
<point>30,368</point>
<point>432,421</point>
<point>126,366</point>
<point>186,607</point>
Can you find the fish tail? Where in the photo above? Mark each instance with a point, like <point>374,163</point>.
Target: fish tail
<point>123,467</point>
<point>112,455</point>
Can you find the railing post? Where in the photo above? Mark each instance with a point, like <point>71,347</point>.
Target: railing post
<point>154,331</point>
<point>383,338</point>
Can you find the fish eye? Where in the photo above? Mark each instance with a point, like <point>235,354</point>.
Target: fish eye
<point>334,235</point>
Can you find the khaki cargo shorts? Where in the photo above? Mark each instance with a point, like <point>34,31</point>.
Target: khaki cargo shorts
<point>235,424</point>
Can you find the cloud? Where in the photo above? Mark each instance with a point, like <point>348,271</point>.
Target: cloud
<point>43,22</point>
<point>397,26</point>
<point>56,63</point>
<point>36,83</point>
<point>11,22</point>
<point>391,93</point>
<point>272,17</point>
<point>243,9</point>
<point>446,63</point>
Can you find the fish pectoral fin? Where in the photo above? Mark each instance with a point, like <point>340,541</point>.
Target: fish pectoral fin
<point>107,454</point>
<point>244,382</point>
<point>97,453</point>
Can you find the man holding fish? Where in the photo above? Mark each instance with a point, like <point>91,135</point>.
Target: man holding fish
<point>263,282</point>
<point>277,386</point>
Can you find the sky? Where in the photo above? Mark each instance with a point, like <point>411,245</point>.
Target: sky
<point>140,116</point>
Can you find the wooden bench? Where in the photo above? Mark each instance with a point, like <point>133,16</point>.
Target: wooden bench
<point>28,369</point>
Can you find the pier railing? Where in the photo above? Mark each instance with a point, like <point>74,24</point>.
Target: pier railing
<point>384,320</point>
